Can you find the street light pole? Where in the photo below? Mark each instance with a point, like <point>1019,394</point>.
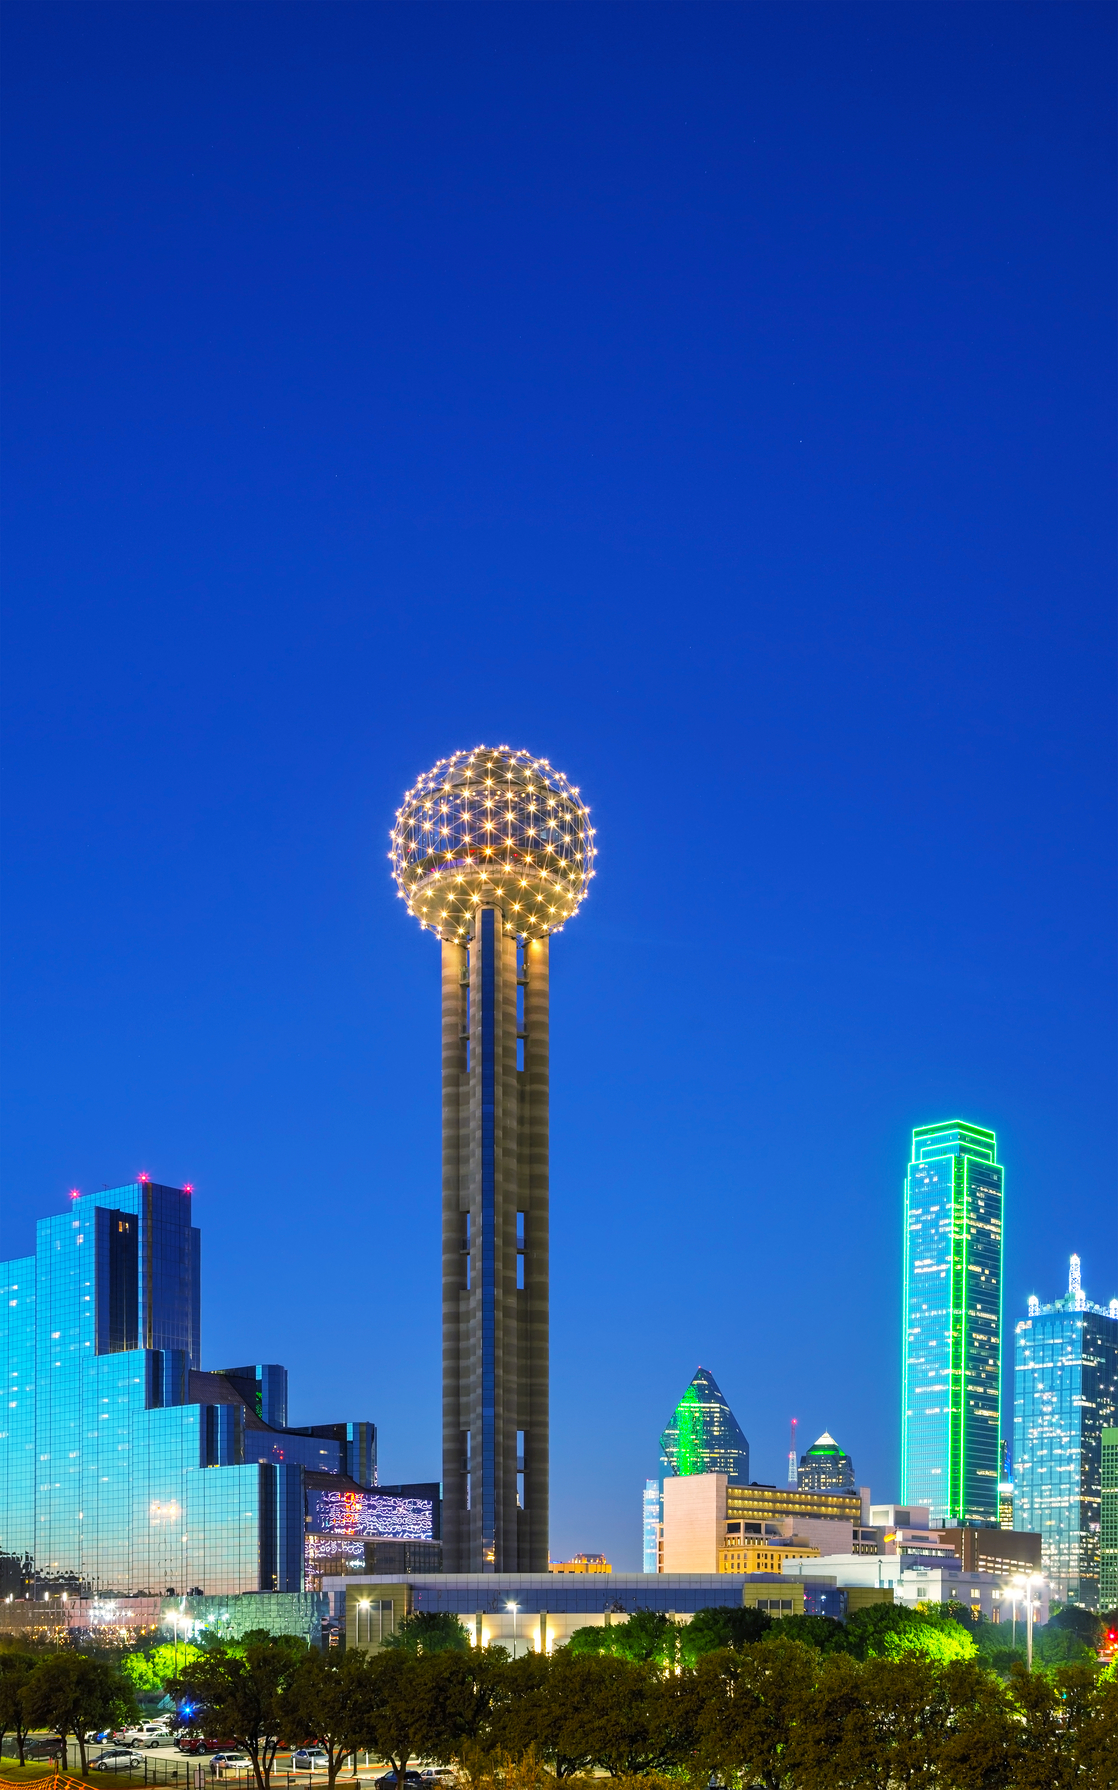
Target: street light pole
<point>514,1608</point>
<point>1029,1620</point>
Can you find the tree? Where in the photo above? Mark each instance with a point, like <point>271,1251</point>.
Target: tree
<point>613,1712</point>
<point>752,1701</point>
<point>722,1625</point>
<point>894,1724</point>
<point>15,1671</point>
<point>889,1631</point>
<point>979,1746</point>
<point>646,1635</point>
<point>823,1633</point>
<point>75,1694</point>
<point>154,1670</point>
<point>404,1711</point>
<point>1071,1637</point>
<point>1090,1701</point>
<point>325,1700</point>
<point>519,1712</point>
<point>237,1692</point>
<point>429,1631</point>
<point>835,1743</point>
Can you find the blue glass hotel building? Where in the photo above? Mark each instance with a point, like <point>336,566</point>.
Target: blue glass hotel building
<point>1065,1395</point>
<point>951,1385</point>
<point>123,1467</point>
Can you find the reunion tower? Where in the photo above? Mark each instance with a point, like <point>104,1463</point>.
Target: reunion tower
<point>493,851</point>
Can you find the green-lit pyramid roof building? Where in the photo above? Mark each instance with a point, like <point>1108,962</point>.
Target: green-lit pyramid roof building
<point>826,1468</point>
<point>703,1435</point>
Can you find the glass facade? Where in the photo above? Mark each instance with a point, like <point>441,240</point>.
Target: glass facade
<point>652,1525</point>
<point>825,1468</point>
<point>703,1435</point>
<point>1065,1394</point>
<point>124,1469</point>
<point>951,1382</point>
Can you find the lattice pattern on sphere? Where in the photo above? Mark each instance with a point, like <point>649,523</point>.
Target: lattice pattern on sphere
<point>493,827</point>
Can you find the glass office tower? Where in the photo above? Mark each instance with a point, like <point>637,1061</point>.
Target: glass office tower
<point>1065,1394</point>
<point>703,1435</point>
<point>951,1380</point>
<point>652,1525</point>
<point>123,1467</point>
<point>1108,1525</point>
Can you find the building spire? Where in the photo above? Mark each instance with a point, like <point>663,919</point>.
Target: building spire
<point>1075,1286</point>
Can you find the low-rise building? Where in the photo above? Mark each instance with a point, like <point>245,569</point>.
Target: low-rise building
<point>1008,1552</point>
<point>763,1552</point>
<point>914,1581</point>
<point>581,1563</point>
<point>540,1611</point>
<point>704,1514</point>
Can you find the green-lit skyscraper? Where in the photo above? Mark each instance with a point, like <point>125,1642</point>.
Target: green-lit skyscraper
<point>703,1435</point>
<point>951,1383</point>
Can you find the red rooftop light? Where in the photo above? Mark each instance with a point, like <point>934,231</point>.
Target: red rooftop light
<point>143,1177</point>
<point>75,1193</point>
<point>188,1187</point>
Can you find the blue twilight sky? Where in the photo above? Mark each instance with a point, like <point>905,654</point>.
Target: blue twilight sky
<point>715,399</point>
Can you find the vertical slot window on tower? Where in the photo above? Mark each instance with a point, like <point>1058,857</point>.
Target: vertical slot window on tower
<point>520,1469</point>
<point>520,1251</point>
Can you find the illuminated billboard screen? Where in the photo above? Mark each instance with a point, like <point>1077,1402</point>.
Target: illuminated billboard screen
<point>372,1514</point>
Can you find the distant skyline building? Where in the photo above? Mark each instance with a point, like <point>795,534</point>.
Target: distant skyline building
<point>703,1435</point>
<point>1005,1486</point>
<point>951,1370</point>
<point>1065,1394</point>
<point>652,1525</point>
<point>126,1469</point>
<point>825,1468</point>
<point>493,850</point>
<point>1108,1525</point>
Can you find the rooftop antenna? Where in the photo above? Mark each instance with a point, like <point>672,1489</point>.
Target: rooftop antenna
<point>792,1454</point>
<point>1075,1286</point>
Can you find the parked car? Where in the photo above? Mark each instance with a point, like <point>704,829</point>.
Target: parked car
<point>99,1734</point>
<point>413,1780</point>
<point>146,1734</point>
<point>309,1758</point>
<point>43,1746</point>
<point>116,1758</point>
<point>190,1743</point>
<point>230,1762</point>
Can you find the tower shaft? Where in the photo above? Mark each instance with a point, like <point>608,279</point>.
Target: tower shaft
<point>495,1251</point>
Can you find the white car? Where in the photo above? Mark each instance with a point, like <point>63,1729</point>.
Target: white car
<point>221,1762</point>
<point>116,1758</point>
<point>309,1758</point>
<point>147,1734</point>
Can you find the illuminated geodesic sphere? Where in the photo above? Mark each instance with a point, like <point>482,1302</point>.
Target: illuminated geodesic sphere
<point>493,827</point>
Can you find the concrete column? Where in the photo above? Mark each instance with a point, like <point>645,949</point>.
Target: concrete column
<point>535,1314</point>
<point>455,1297</point>
<point>495,1190</point>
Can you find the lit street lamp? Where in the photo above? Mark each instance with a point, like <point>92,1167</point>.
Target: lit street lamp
<point>514,1608</point>
<point>1028,1581</point>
